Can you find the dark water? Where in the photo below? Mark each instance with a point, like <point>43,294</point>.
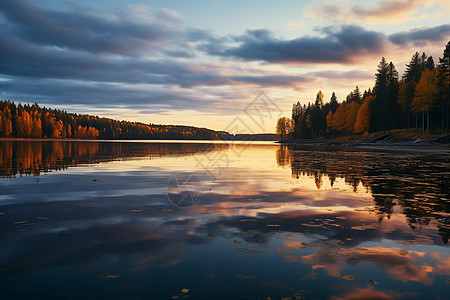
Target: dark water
<point>97,220</point>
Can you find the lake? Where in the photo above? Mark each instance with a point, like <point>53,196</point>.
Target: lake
<point>201,220</point>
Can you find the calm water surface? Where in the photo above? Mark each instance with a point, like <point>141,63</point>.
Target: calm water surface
<point>97,220</point>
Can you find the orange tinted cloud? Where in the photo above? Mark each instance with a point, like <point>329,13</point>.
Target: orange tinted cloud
<point>383,12</point>
<point>368,293</point>
<point>401,264</point>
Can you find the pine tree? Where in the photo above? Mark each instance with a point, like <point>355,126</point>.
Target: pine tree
<point>414,68</point>
<point>333,102</point>
<point>391,106</point>
<point>443,69</point>
<point>378,113</point>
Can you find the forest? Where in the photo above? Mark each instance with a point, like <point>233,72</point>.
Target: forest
<point>33,121</point>
<point>420,99</point>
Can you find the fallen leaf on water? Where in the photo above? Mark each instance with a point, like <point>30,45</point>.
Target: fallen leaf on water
<point>292,258</point>
<point>164,209</point>
<point>176,297</point>
<point>309,276</point>
<point>185,291</point>
<point>348,277</point>
<point>249,251</point>
<point>20,222</point>
<point>109,276</point>
<point>237,241</point>
<point>137,210</point>
<point>273,225</point>
<point>285,250</point>
<point>210,237</point>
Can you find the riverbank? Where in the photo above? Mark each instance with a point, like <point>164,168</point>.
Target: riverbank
<point>407,140</point>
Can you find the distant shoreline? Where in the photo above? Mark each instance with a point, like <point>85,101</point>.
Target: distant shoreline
<point>135,140</point>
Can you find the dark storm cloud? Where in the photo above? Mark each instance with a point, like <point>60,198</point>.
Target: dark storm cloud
<point>81,30</point>
<point>421,36</point>
<point>340,45</point>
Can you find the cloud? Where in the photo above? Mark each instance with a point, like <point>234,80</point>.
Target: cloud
<point>133,58</point>
<point>387,11</point>
<point>137,57</point>
<point>83,30</point>
<point>401,264</point>
<point>383,12</point>
<point>364,294</point>
<point>421,36</point>
<point>343,44</point>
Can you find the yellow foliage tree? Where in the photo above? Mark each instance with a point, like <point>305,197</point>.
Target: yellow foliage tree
<point>363,117</point>
<point>425,95</point>
<point>36,126</point>
<point>6,123</point>
<point>284,127</point>
<point>344,118</point>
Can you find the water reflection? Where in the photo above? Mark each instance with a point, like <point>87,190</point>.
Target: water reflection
<point>34,157</point>
<point>419,183</point>
<point>263,228</point>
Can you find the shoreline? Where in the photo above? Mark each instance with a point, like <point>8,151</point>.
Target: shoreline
<point>389,145</point>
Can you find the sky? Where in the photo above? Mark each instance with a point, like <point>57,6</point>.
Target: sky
<point>206,63</point>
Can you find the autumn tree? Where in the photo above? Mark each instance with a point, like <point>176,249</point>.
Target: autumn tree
<point>425,96</point>
<point>6,122</point>
<point>284,127</point>
<point>344,118</point>
<point>404,99</point>
<point>363,117</point>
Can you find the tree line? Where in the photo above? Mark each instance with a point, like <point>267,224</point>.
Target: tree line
<point>420,100</point>
<point>33,121</point>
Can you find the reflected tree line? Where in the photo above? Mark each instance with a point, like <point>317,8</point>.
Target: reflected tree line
<point>35,157</point>
<point>419,183</point>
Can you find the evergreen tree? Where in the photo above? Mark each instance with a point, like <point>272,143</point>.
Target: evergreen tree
<point>333,102</point>
<point>414,69</point>
<point>391,105</point>
<point>429,64</point>
<point>443,69</point>
<point>381,92</point>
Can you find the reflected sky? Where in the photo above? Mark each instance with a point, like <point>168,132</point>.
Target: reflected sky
<point>98,219</point>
